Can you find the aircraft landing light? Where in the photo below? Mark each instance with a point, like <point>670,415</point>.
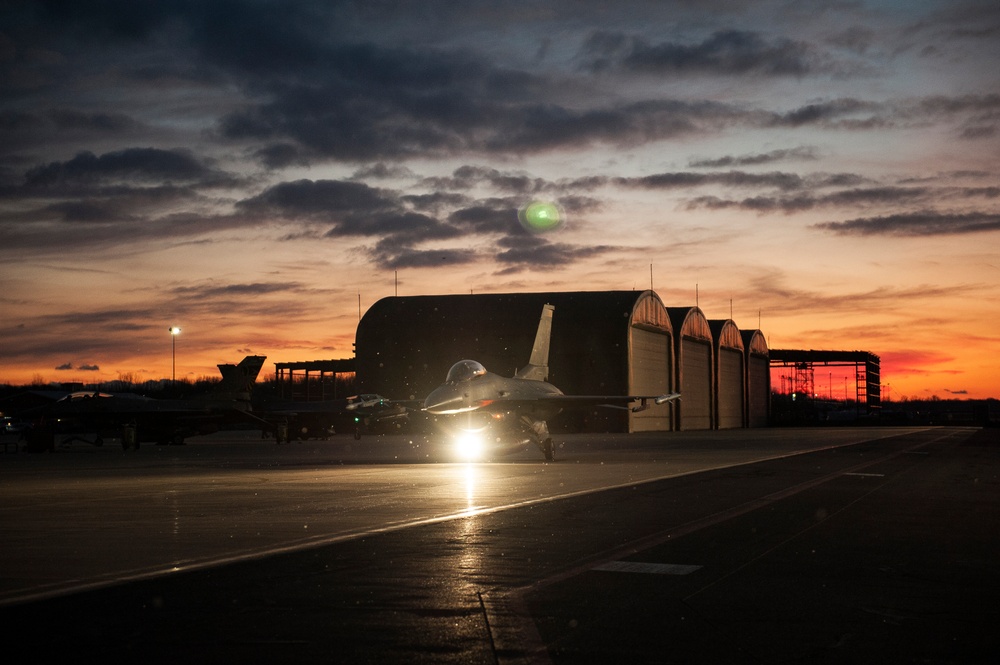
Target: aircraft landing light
<point>469,446</point>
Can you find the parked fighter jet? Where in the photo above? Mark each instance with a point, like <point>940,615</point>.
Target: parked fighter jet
<point>135,418</point>
<point>320,419</point>
<point>519,406</point>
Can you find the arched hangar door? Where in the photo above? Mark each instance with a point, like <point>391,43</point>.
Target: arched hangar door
<point>730,388</point>
<point>696,384</point>
<point>650,369</point>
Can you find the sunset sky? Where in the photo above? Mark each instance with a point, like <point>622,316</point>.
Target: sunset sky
<point>256,172</point>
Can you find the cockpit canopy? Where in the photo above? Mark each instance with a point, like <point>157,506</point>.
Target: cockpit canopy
<point>465,370</point>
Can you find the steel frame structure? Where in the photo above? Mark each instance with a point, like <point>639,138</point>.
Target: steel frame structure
<point>867,371</point>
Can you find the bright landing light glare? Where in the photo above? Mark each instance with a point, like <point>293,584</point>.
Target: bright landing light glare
<point>469,446</point>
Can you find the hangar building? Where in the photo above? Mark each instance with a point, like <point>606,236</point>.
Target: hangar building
<point>603,343</point>
<point>730,374</point>
<point>695,367</point>
<point>758,379</point>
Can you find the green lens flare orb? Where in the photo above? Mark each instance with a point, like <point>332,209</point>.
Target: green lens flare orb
<point>540,216</point>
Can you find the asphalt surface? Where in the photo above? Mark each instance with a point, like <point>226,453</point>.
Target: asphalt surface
<point>720,547</point>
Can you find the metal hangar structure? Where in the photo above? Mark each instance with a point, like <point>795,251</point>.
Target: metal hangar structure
<point>867,372</point>
<point>730,374</point>
<point>758,378</point>
<point>695,368</point>
<point>311,380</point>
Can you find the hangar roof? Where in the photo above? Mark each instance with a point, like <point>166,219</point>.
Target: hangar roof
<point>754,343</point>
<point>690,322</point>
<point>726,334</point>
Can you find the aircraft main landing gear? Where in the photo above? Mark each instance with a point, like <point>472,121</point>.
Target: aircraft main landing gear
<point>539,430</point>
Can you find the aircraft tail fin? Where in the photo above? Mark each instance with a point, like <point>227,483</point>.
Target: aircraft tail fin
<point>537,368</point>
<point>240,378</point>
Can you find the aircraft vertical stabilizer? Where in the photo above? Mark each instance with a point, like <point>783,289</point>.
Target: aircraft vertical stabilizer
<point>537,368</point>
<point>240,378</point>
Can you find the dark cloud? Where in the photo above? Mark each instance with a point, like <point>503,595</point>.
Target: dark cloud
<point>434,201</point>
<point>793,154</point>
<point>531,252</point>
<point>488,216</point>
<point>801,201</point>
<point>359,125</point>
<point>407,257</point>
<point>981,110</point>
<point>227,291</point>
<point>70,119</point>
<point>130,165</point>
<point>468,177</point>
<point>979,132</point>
<point>318,200</point>
<point>103,20</point>
<point>363,101</point>
<point>380,170</point>
<point>358,210</point>
<point>281,155</point>
<point>916,224</point>
<point>726,52</point>
<point>847,113</point>
<point>681,180</point>
<point>400,226</point>
<point>61,127</point>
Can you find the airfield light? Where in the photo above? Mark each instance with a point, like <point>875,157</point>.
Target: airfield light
<point>174,332</point>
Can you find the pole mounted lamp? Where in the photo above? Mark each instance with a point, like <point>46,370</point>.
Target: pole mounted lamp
<point>174,332</point>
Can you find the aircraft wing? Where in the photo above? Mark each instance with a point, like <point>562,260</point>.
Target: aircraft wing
<point>608,401</point>
<point>558,402</point>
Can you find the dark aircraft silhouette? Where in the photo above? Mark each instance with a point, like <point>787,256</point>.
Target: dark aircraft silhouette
<point>135,418</point>
<point>320,419</point>
<point>519,406</point>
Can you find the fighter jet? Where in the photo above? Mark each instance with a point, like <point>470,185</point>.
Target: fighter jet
<point>320,419</point>
<point>134,418</point>
<point>519,406</point>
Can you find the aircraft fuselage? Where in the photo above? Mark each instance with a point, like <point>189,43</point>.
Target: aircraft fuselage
<point>493,393</point>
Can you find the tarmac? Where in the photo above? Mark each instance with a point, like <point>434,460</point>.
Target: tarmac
<point>768,546</point>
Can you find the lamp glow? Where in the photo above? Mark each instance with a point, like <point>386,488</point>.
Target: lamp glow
<point>174,332</point>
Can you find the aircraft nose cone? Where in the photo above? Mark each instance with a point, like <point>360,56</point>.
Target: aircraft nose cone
<point>444,399</point>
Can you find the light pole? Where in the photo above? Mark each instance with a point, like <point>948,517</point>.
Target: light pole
<point>174,331</point>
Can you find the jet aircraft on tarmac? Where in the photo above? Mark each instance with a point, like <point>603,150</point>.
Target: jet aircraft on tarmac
<point>520,406</point>
<point>135,418</point>
<point>319,419</point>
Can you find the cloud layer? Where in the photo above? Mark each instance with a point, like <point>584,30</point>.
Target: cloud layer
<point>228,153</point>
